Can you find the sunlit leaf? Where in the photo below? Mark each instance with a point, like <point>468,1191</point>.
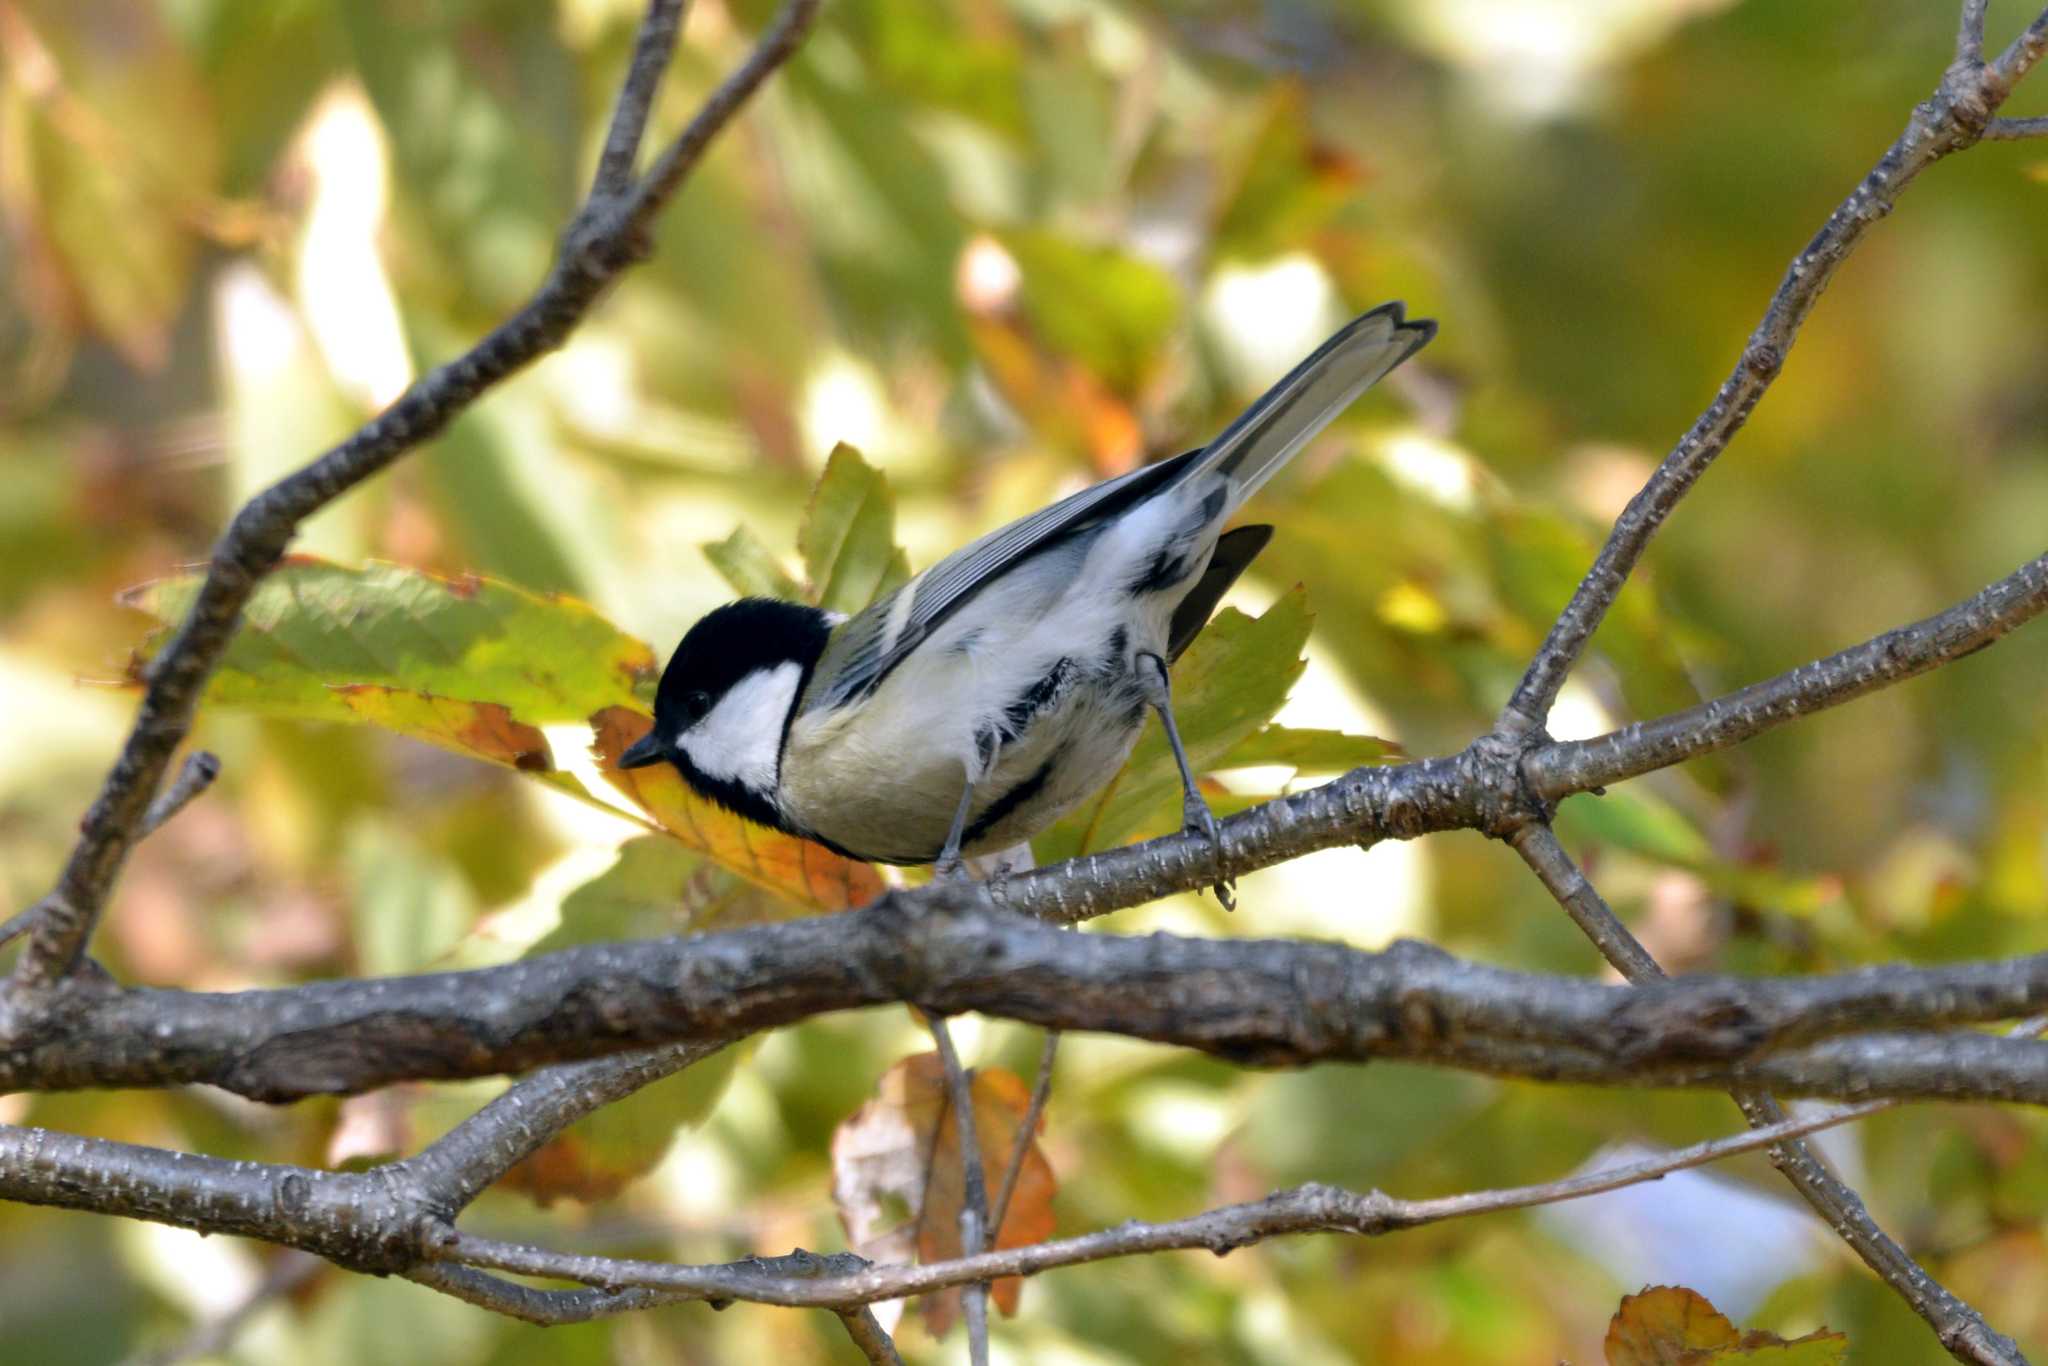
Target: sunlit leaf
<point>751,568</point>
<point>806,872</point>
<point>1673,1326</point>
<point>658,886</point>
<point>313,626</point>
<point>1666,1325</point>
<point>1308,750</point>
<point>899,1179</point>
<point>848,538</point>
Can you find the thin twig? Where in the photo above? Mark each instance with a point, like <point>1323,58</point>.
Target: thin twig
<point>1557,770</point>
<point>201,768</point>
<point>2020,56</point>
<point>1952,118</point>
<point>605,239</point>
<point>869,1335</point>
<point>1027,1131</point>
<point>1961,1329</point>
<point>974,1206</point>
<point>653,47</point>
<point>2014,130</point>
<point>1970,33</point>
<point>1303,1209</point>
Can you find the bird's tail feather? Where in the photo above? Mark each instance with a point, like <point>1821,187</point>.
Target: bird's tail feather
<point>1269,433</point>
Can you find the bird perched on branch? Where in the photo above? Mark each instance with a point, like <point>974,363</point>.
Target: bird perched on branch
<point>969,709</point>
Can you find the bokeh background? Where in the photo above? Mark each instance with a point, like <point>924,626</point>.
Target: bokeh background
<point>1005,248</point>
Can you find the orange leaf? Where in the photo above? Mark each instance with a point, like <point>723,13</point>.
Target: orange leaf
<point>899,1178</point>
<point>1666,1325</point>
<point>782,863</point>
<point>480,730</point>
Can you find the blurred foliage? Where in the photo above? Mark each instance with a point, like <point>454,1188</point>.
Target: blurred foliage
<point>1001,249</point>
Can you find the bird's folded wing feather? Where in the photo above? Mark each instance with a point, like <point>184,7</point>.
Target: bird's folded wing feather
<point>865,649</point>
<point>1248,452</point>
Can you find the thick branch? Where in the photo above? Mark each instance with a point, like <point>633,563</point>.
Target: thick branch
<point>607,237</point>
<point>1274,1002</point>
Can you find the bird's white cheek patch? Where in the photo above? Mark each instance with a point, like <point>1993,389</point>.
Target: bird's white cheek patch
<point>739,738</point>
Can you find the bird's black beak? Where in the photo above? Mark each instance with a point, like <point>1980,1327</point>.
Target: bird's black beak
<point>642,752</point>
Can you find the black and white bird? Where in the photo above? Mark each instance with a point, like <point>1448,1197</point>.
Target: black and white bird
<point>968,710</point>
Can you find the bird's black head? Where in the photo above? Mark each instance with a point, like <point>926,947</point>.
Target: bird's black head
<point>726,699</point>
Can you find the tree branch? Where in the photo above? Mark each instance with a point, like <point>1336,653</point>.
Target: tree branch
<point>1961,1329</point>
<point>608,236</point>
<point>974,1186</point>
<point>1255,1001</point>
<point>1951,119</point>
<point>1303,1209</point>
<point>653,47</point>
<point>2014,130</point>
<point>1558,770</point>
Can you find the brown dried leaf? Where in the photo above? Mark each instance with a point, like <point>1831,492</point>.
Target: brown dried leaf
<point>899,1178</point>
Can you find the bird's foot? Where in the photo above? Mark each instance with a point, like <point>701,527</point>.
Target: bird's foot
<point>1198,819</point>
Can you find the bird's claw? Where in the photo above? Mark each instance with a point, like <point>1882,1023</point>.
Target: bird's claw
<point>1198,819</point>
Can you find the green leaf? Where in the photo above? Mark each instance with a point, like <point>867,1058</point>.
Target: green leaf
<point>657,887</point>
<point>1229,684</point>
<point>1111,311</point>
<point>848,539</point>
<point>598,1155</point>
<point>1309,751</point>
<point>312,627</point>
<point>408,908</point>
<point>751,567</point>
<point>477,667</point>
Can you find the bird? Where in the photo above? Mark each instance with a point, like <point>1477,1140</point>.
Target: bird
<point>967,710</point>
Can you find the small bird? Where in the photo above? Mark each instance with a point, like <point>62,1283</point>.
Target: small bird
<point>969,709</point>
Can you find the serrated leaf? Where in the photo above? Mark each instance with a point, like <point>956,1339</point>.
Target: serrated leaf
<point>477,667</point>
<point>848,537</point>
<point>1821,1348</point>
<point>313,627</point>
<point>751,568</point>
<point>899,1177</point>
<point>1666,1325</point>
<point>478,730</point>
<point>1309,751</point>
<point>658,886</point>
<point>794,868</point>
<point>1229,684</point>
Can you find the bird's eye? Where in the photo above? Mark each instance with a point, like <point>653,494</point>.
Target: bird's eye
<point>696,704</point>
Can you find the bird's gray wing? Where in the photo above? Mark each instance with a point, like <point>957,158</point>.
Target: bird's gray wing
<point>864,649</point>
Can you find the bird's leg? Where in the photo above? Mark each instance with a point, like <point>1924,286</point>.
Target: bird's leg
<point>1196,817</point>
<point>948,864</point>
